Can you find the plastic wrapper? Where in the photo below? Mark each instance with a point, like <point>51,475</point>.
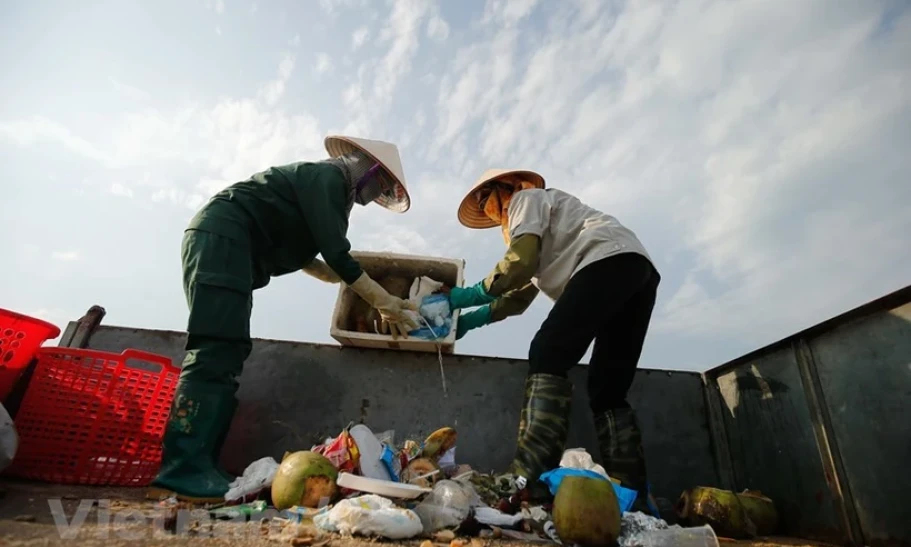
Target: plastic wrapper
<point>370,515</point>
<point>342,451</point>
<point>447,506</point>
<point>9,439</point>
<point>634,525</point>
<point>257,476</point>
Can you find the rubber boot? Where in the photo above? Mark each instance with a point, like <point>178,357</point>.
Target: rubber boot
<point>199,415</point>
<point>620,442</point>
<point>220,441</point>
<point>543,427</point>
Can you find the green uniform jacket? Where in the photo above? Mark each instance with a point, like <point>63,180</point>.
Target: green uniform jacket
<point>287,215</point>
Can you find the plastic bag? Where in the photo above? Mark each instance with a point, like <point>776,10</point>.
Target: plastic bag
<point>493,517</point>
<point>579,458</point>
<point>435,311</point>
<point>257,476</point>
<point>370,515</point>
<point>446,507</point>
<point>9,439</point>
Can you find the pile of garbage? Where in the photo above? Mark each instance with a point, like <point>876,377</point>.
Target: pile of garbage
<point>361,483</point>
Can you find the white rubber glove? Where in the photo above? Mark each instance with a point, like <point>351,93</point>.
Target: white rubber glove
<point>393,310</point>
<point>320,270</point>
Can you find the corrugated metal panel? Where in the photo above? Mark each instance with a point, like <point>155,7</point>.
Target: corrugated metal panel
<point>864,370</point>
<point>772,445</point>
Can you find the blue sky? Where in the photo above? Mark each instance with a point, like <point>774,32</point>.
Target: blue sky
<point>759,149</point>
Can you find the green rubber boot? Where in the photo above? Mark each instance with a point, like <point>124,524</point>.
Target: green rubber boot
<point>200,414</point>
<point>543,428</point>
<point>220,441</point>
<point>620,442</point>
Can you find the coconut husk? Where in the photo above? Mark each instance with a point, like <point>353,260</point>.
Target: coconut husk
<point>720,509</point>
<point>761,511</point>
<point>586,512</point>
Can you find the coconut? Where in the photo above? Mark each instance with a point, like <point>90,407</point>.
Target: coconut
<point>417,468</point>
<point>720,509</point>
<point>303,478</point>
<point>760,510</point>
<point>586,512</point>
<point>439,442</point>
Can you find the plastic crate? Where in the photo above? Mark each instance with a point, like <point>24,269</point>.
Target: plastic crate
<point>20,338</point>
<point>92,417</point>
<point>377,265</point>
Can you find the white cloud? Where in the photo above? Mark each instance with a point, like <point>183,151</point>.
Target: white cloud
<point>359,36</point>
<point>437,28</point>
<point>218,30</point>
<point>120,190</point>
<point>323,63</point>
<point>131,92</point>
<point>296,41</point>
<point>218,6</point>
<point>272,91</point>
<point>39,129</point>
<point>65,256</point>
<point>507,12</point>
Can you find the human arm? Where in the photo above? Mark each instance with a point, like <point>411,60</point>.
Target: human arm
<point>319,270</point>
<point>510,304</point>
<point>513,272</point>
<point>323,200</point>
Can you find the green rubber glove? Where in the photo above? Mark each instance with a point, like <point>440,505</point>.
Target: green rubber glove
<point>472,320</point>
<point>469,297</point>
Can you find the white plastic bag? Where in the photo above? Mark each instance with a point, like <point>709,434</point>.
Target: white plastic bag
<point>421,287</point>
<point>493,517</point>
<point>257,476</point>
<point>370,515</point>
<point>579,458</point>
<point>9,439</point>
<point>446,507</point>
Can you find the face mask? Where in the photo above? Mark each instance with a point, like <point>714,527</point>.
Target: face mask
<point>369,187</point>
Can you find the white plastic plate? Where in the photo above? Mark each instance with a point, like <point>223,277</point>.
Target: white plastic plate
<point>379,487</point>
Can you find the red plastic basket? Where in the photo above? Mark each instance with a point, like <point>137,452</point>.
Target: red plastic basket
<point>20,338</point>
<point>92,417</point>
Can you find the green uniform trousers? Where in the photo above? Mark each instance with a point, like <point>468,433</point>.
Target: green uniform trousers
<point>218,280</point>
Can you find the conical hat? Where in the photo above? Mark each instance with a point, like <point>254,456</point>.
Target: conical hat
<point>387,154</point>
<point>470,213</point>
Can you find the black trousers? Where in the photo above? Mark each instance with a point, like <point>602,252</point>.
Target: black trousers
<point>609,302</point>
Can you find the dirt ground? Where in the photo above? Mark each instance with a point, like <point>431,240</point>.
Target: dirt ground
<point>33,514</point>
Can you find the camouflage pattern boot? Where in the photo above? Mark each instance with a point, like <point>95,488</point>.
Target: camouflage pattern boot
<point>543,427</point>
<point>620,442</point>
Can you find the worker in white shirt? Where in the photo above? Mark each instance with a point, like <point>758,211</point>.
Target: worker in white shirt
<point>603,285</point>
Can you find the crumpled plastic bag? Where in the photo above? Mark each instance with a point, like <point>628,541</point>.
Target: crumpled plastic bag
<point>579,458</point>
<point>9,439</point>
<point>423,286</point>
<point>257,476</point>
<point>635,526</point>
<point>493,517</point>
<point>370,515</point>
<point>447,506</point>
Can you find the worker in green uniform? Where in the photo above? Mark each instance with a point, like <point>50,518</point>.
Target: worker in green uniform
<point>603,285</point>
<point>274,223</point>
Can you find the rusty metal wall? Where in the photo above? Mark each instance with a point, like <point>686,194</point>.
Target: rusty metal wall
<point>819,422</point>
<point>864,370</point>
<point>294,394</point>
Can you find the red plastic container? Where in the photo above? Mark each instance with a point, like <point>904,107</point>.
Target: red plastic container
<point>92,417</point>
<point>20,338</point>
